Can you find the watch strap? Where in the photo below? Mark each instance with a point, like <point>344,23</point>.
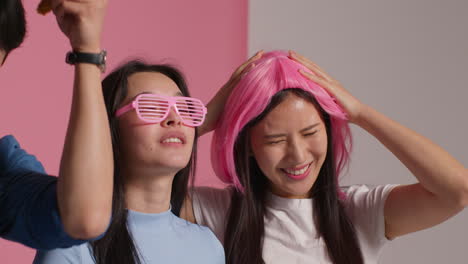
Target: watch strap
<point>99,59</point>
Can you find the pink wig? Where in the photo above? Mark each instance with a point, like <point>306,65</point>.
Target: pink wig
<point>274,72</point>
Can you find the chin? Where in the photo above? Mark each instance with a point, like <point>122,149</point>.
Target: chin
<point>298,190</point>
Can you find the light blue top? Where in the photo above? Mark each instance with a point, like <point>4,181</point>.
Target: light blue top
<point>160,238</point>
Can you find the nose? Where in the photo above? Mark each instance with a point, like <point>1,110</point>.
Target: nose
<point>172,119</point>
<point>296,152</point>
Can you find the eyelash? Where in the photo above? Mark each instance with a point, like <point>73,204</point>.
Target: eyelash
<point>311,133</point>
<point>275,142</point>
<point>279,141</point>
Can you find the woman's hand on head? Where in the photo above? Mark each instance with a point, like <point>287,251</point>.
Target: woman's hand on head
<point>81,21</point>
<point>216,105</point>
<point>241,70</point>
<point>351,105</point>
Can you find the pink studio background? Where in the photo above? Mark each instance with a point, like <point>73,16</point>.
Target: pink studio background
<point>206,39</point>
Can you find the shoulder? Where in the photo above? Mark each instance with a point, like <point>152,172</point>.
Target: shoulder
<point>215,244</point>
<point>211,206</point>
<point>205,192</point>
<point>366,195</point>
<point>366,202</point>
<point>207,200</point>
<point>200,237</point>
<point>364,205</point>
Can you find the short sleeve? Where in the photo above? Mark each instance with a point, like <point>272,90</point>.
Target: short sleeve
<point>365,206</point>
<point>28,202</point>
<point>13,157</point>
<point>210,206</point>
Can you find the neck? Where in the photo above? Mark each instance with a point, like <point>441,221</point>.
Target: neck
<point>278,192</point>
<point>147,191</point>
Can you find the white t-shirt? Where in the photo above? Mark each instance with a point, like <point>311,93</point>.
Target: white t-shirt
<point>290,233</point>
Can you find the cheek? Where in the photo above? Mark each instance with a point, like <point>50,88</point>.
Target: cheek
<point>130,132</point>
<point>136,139</point>
<point>318,145</point>
<point>267,159</point>
<point>265,155</point>
<point>190,140</point>
<point>323,146</point>
<point>319,153</point>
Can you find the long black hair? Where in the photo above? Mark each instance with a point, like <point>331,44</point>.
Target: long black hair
<point>245,227</point>
<point>117,245</point>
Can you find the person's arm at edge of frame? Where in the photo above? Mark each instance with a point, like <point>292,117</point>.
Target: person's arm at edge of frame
<point>85,182</point>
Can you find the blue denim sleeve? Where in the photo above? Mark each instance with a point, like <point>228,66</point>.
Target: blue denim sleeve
<point>28,203</point>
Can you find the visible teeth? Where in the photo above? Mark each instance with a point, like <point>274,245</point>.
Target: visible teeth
<point>297,172</point>
<point>172,140</point>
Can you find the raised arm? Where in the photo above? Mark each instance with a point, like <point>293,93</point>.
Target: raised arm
<point>442,190</point>
<point>85,182</point>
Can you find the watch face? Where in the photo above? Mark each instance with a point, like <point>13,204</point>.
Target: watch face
<point>70,58</point>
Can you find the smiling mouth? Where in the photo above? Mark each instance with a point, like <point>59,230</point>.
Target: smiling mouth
<point>172,140</point>
<point>175,138</point>
<point>298,173</point>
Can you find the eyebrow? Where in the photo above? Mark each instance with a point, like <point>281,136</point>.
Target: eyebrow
<point>179,93</point>
<point>283,135</point>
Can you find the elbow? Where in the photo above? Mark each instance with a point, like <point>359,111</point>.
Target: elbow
<point>463,195</point>
<point>87,226</point>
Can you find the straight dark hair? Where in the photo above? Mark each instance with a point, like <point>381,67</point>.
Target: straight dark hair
<point>246,228</point>
<point>12,25</point>
<point>117,245</point>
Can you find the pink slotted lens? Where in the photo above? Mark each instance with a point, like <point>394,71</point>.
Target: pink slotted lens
<point>152,108</point>
<point>191,111</point>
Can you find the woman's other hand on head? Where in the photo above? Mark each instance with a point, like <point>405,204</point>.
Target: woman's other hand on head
<point>351,105</point>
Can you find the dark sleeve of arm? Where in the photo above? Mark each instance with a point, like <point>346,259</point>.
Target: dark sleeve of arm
<point>28,201</point>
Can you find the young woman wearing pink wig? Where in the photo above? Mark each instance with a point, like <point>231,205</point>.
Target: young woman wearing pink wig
<point>281,143</point>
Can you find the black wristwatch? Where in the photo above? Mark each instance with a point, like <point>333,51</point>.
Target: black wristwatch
<point>99,59</point>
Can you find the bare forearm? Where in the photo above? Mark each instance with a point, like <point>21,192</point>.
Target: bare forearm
<point>86,169</point>
<point>215,108</point>
<point>436,170</point>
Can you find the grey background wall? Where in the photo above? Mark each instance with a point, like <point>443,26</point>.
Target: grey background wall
<point>406,58</point>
